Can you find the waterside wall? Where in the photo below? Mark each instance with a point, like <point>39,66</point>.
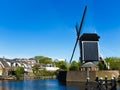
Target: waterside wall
<point>81,76</point>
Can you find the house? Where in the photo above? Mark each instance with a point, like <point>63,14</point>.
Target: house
<point>49,67</point>
<point>5,69</point>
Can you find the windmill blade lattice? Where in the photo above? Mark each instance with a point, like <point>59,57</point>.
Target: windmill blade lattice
<point>78,33</point>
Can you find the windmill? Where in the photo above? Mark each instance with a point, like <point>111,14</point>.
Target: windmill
<point>88,44</point>
<point>78,31</point>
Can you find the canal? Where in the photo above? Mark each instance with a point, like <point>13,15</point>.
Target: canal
<point>44,85</point>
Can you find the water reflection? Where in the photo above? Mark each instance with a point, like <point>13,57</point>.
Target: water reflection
<point>11,85</point>
<point>47,85</point>
<point>31,85</point>
<point>92,86</point>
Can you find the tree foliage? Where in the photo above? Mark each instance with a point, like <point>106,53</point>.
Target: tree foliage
<point>62,65</point>
<point>114,63</point>
<point>43,60</point>
<point>41,71</point>
<point>36,69</point>
<point>74,66</point>
<point>19,72</point>
<point>101,65</point>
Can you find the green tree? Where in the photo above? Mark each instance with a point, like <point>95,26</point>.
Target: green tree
<point>43,60</point>
<point>36,68</point>
<point>114,62</point>
<point>74,66</point>
<point>19,72</point>
<point>101,65</point>
<point>62,65</point>
<point>79,64</point>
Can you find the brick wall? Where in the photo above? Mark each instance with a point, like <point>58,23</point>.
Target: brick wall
<point>81,76</point>
<point>109,74</point>
<point>76,76</point>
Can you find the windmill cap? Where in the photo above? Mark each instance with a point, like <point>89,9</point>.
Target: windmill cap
<point>89,37</point>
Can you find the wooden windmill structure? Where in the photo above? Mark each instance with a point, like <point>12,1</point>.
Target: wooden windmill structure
<point>88,44</point>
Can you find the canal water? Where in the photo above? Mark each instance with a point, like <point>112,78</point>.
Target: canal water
<point>43,85</point>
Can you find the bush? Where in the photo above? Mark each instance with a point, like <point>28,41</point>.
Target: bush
<point>74,66</point>
<point>101,65</point>
<point>19,72</point>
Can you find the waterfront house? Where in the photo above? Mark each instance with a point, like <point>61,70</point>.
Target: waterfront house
<point>49,67</point>
<point>5,69</point>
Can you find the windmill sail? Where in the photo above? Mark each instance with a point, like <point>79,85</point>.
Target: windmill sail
<point>78,33</point>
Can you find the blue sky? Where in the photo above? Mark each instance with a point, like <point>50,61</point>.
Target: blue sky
<point>47,27</point>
